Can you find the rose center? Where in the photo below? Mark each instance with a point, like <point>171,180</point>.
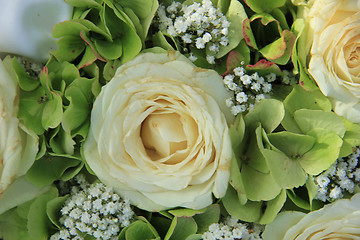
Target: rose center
<point>163,134</point>
<point>353,59</point>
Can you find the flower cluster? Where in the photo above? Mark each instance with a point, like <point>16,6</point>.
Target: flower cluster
<point>231,229</point>
<point>248,89</point>
<point>342,176</point>
<point>93,209</point>
<point>197,25</point>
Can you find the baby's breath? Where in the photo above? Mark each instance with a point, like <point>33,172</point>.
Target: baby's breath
<point>198,25</point>
<point>93,209</point>
<point>342,177</point>
<point>248,89</point>
<point>232,229</point>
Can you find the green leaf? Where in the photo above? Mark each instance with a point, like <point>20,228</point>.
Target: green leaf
<point>308,120</point>
<point>264,6</point>
<point>53,208</point>
<point>236,15</point>
<point>88,58</point>
<point>138,230</point>
<point>158,39</point>
<point>351,138</point>
<point>248,34</point>
<point>186,212</point>
<point>50,168</point>
<point>259,186</point>
<point>273,207</point>
<point>38,222</point>
<point>269,112</point>
<point>61,142</point>
<point>31,108</point>
<point>79,94</point>
<point>324,153</point>
<point>250,212</point>
<point>19,192</point>
<point>299,99</point>
<point>13,227</point>
<point>181,228</point>
<point>83,3</point>
<point>292,144</point>
<point>52,112</point>
<point>286,171</point>
<point>264,67</point>
<point>109,50</point>
<point>26,82</point>
<point>69,48</point>
<point>205,219</point>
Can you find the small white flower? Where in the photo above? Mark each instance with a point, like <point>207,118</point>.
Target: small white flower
<point>192,57</point>
<point>246,79</point>
<point>180,25</point>
<point>225,31</point>
<point>266,87</point>
<point>224,41</point>
<point>241,97</point>
<point>187,38</point>
<point>239,71</point>
<point>171,31</point>
<point>259,97</point>
<point>256,86</point>
<point>207,37</point>
<point>271,77</point>
<point>200,43</point>
<point>235,110</point>
<point>229,102</point>
<point>233,86</point>
<point>322,181</point>
<point>210,59</point>
<point>336,193</point>
<point>214,47</point>
<point>228,79</point>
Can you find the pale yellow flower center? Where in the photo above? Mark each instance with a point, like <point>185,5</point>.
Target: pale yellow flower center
<point>352,55</point>
<point>163,134</point>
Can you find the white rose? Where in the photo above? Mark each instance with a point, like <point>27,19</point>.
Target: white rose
<point>339,220</point>
<point>18,147</point>
<point>158,135</point>
<point>335,54</point>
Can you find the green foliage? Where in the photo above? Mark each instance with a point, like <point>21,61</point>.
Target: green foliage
<point>28,221</point>
<point>279,146</point>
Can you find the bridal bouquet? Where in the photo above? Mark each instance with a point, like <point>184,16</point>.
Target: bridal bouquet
<point>179,120</point>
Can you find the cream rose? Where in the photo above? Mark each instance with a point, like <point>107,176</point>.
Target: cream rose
<point>335,53</point>
<point>158,133</point>
<point>339,220</point>
<point>18,147</point>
